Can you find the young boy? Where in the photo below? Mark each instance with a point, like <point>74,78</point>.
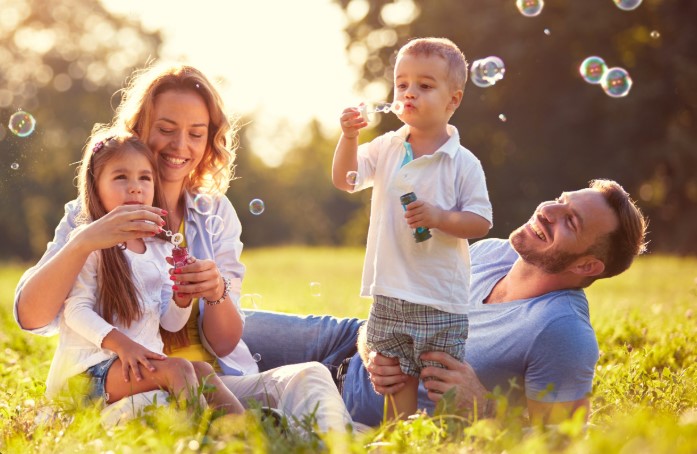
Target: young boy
<point>420,289</point>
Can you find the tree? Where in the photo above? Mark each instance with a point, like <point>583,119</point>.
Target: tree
<point>560,132</point>
<point>61,62</point>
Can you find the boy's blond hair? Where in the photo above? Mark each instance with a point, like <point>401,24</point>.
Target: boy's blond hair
<point>444,48</point>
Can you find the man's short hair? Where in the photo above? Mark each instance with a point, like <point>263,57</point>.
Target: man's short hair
<point>618,248</point>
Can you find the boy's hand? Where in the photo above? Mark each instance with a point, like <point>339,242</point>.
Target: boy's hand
<point>352,122</point>
<point>423,214</point>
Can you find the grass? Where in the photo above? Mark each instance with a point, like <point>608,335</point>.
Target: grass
<point>644,397</point>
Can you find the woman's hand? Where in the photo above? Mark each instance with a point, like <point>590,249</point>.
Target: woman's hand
<point>196,279</point>
<point>469,391</point>
<point>123,223</point>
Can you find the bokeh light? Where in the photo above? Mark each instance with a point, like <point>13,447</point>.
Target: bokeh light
<point>503,118</point>
<point>256,207</point>
<point>22,124</point>
<point>14,166</point>
<point>530,8</point>
<point>627,5</point>
<point>616,82</point>
<point>592,69</point>
<point>214,225</point>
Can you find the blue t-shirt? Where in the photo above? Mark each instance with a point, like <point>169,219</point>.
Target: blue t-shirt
<point>546,344</point>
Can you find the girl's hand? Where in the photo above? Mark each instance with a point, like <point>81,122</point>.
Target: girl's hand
<point>123,223</point>
<point>197,279</point>
<point>132,356</point>
<point>422,214</point>
<point>352,122</point>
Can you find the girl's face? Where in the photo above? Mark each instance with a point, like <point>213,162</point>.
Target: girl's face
<point>126,180</point>
<point>179,133</point>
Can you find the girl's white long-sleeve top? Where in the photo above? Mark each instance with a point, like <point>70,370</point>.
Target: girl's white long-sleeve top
<point>82,329</point>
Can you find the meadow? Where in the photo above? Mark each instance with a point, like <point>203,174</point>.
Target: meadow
<point>644,397</point>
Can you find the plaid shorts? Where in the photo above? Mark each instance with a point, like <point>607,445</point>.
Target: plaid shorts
<point>400,329</point>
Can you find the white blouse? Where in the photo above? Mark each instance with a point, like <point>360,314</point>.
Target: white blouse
<point>82,329</point>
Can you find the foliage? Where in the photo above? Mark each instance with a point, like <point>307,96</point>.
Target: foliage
<point>644,398</point>
<point>62,63</point>
<point>561,132</point>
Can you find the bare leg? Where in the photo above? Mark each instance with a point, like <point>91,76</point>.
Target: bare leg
<point>405,400</point>
<point>220,397</point>
<point>176,375</point>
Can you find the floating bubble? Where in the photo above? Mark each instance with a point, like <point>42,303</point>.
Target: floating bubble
<point>547,32</point>
<point>627,5</point>
<point>315,289</point>
<point>655,35</point>
<point>503,118</point>
<point>214,225</point>
<point>256,207</point>
<point>530,8</point>
<point>256,357</point>
<point>353,178</point>
<point>251,301</point>
<point>487,71</point>
<point>203,203</point>
<point>14,166</point>
<point>22,124</point>
<point>616,82</point>
<point>592,69</point>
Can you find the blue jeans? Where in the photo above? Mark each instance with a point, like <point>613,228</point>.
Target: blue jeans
<point>283,339</point>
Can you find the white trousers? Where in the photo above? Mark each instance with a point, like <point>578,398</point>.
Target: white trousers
<point>295,390</point>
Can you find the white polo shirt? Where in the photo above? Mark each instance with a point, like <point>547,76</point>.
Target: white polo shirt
<point>435,272</point>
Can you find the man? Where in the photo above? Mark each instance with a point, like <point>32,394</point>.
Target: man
<point>529,319</point>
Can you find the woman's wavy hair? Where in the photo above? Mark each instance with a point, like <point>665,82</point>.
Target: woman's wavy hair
<point>117,297</point>
<point>135,114</point>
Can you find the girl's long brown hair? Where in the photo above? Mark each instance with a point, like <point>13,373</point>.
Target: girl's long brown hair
<point>117,298</point>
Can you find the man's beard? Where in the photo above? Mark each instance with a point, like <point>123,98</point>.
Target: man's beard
<point>549,262</point>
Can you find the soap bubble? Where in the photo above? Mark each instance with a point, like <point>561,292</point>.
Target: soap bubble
<point>214,225</point>
<point>487,71</point>
<point>14,166</point>
<point>256,357</point>
<point>655,35</point>
<point>627,5</point>
<point>315,289</point>
<point>22,124</point>
<point>592,69</point>
<point>503,118</point>
<point>256,207</point>
<point>530,8</point>
<point>547,32</point>
<point>353,178</point>
<point>616,82</point>
<point>203,203</point>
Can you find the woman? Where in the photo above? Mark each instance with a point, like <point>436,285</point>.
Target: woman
<point>179,114</point>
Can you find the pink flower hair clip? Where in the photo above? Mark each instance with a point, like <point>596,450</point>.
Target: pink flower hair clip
<point>99,145</point>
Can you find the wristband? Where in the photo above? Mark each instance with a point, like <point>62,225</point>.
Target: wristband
<point>226,292</point>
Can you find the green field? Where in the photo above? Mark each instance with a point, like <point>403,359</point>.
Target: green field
<point>644,398</point>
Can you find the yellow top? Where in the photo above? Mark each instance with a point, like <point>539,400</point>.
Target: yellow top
<point>194,351</point>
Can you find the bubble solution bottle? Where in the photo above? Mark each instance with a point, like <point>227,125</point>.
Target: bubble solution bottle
<point>179,256</point>
<point>420,233</point>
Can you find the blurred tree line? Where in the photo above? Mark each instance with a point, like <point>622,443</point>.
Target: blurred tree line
<point>64,63</point>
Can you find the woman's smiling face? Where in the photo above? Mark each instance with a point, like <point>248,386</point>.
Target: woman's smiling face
<point>178,133</point>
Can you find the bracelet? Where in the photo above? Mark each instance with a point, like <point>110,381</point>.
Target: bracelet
<point>226,291</point>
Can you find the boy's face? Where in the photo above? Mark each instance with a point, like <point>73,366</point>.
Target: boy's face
<point>422,84</point>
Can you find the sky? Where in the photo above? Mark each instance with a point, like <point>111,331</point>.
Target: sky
<point>281,61</point>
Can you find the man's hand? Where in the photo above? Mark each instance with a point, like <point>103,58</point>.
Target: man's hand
<point>469,391</point>
<point>385,373</point>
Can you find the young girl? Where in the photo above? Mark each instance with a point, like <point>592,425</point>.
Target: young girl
<point>110,324</point>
